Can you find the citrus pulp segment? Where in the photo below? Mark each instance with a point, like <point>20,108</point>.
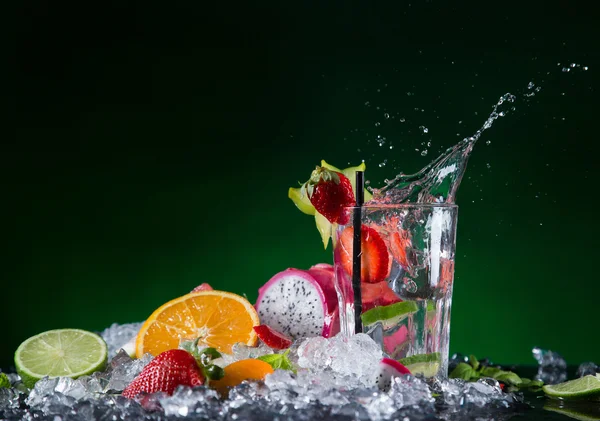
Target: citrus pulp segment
<point>220,319</point>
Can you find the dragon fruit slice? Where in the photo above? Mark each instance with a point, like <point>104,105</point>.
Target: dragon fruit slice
<point>389,369</point>
<point>293,302</point>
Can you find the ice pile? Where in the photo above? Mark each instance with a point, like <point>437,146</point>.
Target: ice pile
<point>334,381</point>
<point>118,336</point>
<point>585,369</point>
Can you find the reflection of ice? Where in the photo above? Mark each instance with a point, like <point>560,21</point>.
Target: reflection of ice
<point>334,381</point>
<point>587,368</point>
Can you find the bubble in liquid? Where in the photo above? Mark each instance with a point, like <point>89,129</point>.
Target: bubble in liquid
<point>410,285</point>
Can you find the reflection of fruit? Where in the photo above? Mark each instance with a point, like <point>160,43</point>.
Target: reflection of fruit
<point>218,318</point>
<point>272,338</point>
<point>294,303</point>
<point>237,372</point>
<point>375,257</point>
<point>388,369</point>
<point>164,373</point>
<point>330,192</point>
<point>61,352</point>
<point>378,294</point>
<point>447,275</point>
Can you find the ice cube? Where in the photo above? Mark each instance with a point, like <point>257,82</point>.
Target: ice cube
<point>122,370</point>
<point>118,335</point>
<point>187,401</point>
<point>552,367</point>
<point>355,358</point>
<point>587,368</point>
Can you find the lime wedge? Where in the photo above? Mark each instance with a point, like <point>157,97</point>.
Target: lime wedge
<point>389,315</point>
<point>585,387</point>
<point>425,364</point>
<point>62,352</point>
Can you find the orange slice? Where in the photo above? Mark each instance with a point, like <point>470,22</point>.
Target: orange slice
<point>220,319</point>
<point>241,370</point>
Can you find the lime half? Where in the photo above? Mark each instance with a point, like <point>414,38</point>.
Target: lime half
<point>585,387</point>
<point>62,352</point>
<point>389,315</point>
<point>425,364</point>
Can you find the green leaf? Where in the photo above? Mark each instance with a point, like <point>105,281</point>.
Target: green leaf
<point>473,361</point>
<point>464,371</point>
<point>4,382</point>
<point>490,372</point>
<point>278,361</point>
<point>508,377</point>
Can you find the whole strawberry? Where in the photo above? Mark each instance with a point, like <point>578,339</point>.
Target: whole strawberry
<point>329,192</point>
<point>164,373</point>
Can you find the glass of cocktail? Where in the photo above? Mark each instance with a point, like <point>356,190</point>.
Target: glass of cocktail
<point>407,270</point>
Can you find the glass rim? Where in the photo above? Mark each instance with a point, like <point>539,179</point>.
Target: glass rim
<point>404,206</point>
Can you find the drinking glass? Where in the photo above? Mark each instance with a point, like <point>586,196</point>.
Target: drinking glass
<point>407,272</point>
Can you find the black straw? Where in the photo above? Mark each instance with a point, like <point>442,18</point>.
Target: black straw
<point>356,250</point>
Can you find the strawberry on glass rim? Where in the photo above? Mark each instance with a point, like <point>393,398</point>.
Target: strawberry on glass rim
<point>300,198</point>
<point>330,192</point>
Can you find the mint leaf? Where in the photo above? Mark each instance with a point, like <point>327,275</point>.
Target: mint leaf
<point>490,372</point>
<point>4,382</point>
<point>278,361</point>
<point>464,371</point>
<point>473,361</point>
<point>509,377</point>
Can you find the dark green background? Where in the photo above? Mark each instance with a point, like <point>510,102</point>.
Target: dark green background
<point>154,143</point>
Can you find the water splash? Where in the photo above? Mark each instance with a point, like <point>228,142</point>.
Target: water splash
<point>439,181</point>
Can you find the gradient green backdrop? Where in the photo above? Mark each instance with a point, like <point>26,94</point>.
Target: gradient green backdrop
<point>154,144</point>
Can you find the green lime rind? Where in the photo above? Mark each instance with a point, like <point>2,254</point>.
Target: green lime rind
<point>60,353</point>
<point>587,387</point>
<point>4,382</point>
<point>389,315</point>
<point>427,365</point>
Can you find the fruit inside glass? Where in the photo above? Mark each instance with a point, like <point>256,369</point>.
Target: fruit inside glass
<point>407,271</point>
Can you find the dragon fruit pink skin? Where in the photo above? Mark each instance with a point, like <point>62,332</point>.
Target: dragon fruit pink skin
<point>389,369</point>
<point>294,303</point>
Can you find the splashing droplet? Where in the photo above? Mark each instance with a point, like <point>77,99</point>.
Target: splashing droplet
<point>386,116</point>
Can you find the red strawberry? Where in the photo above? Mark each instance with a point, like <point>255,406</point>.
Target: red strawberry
<point>375,259</point>
<point>329,192</point>
<point>272,338</point>
<point>379,294</point>
<point>164,373</point>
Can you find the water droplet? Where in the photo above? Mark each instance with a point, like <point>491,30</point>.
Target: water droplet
<point>424,152</point>
<point>391,146</point>
<point>585,68</point>
<point>566,69</point>
<point>488,165</point>
<point>429,143</point>
<point>488,142</point>
<point>383,163</point>
<point>402,119</point>
<point>377,124</point>
<point>530,85</point>
<point>410,285</point>
<point>409,93</point>
<point>386,116</point>
<point>424,129</point>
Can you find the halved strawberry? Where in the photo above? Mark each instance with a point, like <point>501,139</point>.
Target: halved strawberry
<point>272,338</point>
<point>378,294</point>
<point>375,257</point>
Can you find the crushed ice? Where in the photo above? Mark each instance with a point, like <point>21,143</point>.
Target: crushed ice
<point>334,381</point>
